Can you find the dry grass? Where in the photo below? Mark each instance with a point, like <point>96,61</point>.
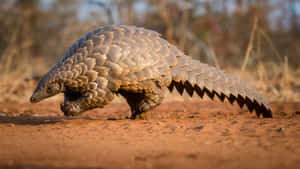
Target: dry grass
<point>273,81</point>
<point>276,82</point>
<point>19,73</point>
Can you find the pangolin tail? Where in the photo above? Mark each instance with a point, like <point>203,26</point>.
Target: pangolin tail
<point>193,76</point>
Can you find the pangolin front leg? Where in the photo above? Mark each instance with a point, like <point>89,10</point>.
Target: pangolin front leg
<point>76,103</point>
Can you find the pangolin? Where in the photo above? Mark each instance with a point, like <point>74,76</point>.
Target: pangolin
<point>137,64</point>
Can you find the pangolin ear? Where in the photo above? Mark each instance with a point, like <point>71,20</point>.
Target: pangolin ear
<point>61,86</point>
<point>58,87</point>
<point>54,88</point>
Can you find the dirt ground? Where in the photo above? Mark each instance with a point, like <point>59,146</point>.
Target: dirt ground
<point>190,134</point>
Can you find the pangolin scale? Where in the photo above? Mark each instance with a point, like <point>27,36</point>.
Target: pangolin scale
<point>136,63</point>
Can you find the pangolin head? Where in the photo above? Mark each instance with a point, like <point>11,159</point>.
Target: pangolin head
<point>46,87</point>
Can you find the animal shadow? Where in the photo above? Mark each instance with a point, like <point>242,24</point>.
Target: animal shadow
<point>37,120</point>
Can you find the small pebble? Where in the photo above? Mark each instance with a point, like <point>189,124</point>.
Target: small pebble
<point>234,122</point>
<point>192,156</point>
<point>283,114</point>
<point>111,118</point>
<point>198,128</point>
<point>280,129</point>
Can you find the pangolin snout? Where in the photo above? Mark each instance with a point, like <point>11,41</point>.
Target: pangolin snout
<point>33,99</point>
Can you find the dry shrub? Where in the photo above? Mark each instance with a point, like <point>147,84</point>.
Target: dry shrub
<point>33,39</point>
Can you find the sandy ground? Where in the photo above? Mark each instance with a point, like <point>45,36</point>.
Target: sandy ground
<point>191,134</point>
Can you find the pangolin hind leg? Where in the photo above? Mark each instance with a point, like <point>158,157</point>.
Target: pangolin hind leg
<point>76,103</point>
<point>143,101</point>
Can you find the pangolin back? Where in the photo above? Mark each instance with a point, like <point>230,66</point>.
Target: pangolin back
<point>125,55</point>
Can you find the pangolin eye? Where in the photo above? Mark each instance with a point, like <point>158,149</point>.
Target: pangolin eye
<point>49,90</point>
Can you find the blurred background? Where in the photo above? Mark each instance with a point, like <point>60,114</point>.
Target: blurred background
<point>257,40</point>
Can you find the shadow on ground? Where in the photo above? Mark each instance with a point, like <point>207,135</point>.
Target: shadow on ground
<point>40,120</point>
<point>46,167</point>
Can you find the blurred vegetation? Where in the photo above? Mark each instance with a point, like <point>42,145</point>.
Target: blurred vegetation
<point>256,39</point>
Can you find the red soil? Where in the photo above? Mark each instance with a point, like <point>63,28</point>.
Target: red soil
<point>193,134</point>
